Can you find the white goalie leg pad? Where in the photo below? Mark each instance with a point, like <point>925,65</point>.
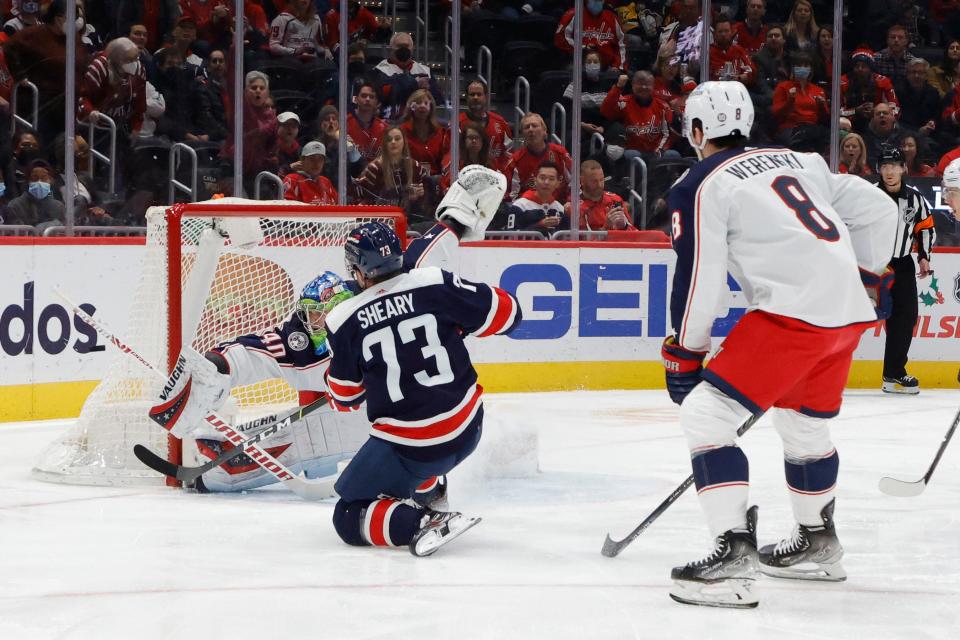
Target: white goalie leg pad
<point>193,391</point>
<point>316,445</point>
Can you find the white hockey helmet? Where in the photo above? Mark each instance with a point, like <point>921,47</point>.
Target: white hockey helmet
<point>951,175</point>
<point>473,199</point>
<point>723,108</point>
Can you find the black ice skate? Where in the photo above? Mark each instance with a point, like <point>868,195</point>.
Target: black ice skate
<point>905,384</point>
<point>437,529</point>
<point>725,577</point>
<point>812,553</point>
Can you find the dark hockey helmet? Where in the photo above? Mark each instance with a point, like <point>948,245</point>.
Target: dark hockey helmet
<point>374,250</point>
<point>890,154</point>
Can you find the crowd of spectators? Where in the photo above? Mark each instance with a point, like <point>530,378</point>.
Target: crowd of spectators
<point>162,71</point>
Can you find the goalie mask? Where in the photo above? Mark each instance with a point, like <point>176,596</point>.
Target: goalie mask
<point>473,200</point>
<point>319,297</point>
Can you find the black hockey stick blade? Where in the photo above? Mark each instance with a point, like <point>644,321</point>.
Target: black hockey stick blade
<point>276,423</point>
<point>612,548</point>
<point>908,489</point>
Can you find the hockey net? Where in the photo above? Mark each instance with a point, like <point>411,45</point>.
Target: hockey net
<point>254,286</point>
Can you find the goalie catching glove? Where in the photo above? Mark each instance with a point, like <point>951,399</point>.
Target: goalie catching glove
<point>878,289</point>
<point>194,390</point>
<point>683,368</point>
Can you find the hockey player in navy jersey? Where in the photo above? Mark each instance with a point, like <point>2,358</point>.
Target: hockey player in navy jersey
<point>803,244</point>
<point>399,347</point>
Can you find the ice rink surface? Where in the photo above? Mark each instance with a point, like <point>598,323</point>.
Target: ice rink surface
<point>90,562</point>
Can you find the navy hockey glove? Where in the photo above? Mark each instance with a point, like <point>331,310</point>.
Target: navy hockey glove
<point>683,368</point>
<point>878,289</point>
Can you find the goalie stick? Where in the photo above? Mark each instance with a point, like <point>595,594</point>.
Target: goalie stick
<point>276,423</point>
<point>317,489</point>
<point>908,489</point>
<point>612,548</point>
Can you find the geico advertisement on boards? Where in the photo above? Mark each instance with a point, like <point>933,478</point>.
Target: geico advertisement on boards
<point>40,338</point>
<point>579,304</point>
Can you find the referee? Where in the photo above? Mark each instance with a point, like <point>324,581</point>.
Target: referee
<point>915,230</point>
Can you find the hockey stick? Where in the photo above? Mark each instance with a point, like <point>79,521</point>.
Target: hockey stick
<point>907,489</point>
<point>276,423</point>
<point>612,548</point>
<point>307,489</point>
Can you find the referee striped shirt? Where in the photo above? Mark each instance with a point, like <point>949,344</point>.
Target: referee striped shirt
<point>915,231</point>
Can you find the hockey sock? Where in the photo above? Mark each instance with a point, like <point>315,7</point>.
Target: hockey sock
<point>722,479</point>
<point>811,483</point>
<point>383,523</point>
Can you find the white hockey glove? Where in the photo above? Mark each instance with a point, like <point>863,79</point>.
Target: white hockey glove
<point>473,200</point>
<point>193,391</point>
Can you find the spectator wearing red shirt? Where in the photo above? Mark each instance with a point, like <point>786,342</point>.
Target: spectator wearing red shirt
<point>307,183</point>
<point>601,31</point>
<point>861,89</point>
<point>362,24</point>
<point>911,157</point>
<point>364,126</point>
<point>521,169</point>
<point>646,118</point>
<point>215,20</point>
<point>496,127</point>
<point>800,108</point>
<point>115,85</point>
<point>729,61</point>
<point>853,156</point>
<point>288,147</point>
<point>599,209</point>
<point>474,149</point>
<point>427,140</point>
<point>751,34</point>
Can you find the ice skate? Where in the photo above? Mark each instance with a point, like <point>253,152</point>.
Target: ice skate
<point>436,498</point>
<point>812,553</point>
<point>905,384</point>
<point>724,578</point>
<point>437,529</point>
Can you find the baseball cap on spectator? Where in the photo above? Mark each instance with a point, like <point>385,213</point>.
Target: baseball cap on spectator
<point>313,148</point>
<point>863,54</point>
<point>287,116</point>
<point>186,18</point>
<point>41,163</point>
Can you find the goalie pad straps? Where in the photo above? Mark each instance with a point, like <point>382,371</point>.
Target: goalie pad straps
<point>194,390</point>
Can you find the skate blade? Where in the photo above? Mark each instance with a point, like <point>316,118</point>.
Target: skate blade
<point>732,593</point>
<point>833,572</point>
<point>891,387</point>
<point>428,545</point>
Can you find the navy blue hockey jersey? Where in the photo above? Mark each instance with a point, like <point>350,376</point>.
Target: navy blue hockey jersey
<point>399,347</point>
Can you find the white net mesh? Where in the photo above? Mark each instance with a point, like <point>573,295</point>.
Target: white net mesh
<point>253,289</point>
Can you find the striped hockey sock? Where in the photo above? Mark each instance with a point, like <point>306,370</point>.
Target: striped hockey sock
<point>722,478</point>
<point>811,483</point>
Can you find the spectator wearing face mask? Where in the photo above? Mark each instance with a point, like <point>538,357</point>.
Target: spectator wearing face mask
<point>596,82</point>
<point>801,108</point>
<point>115,85</point>
<point>39,54</point>
<point>400,75</point>
<point>25,148</point>
<point>175,83</point>
<point>601,31</point>
<point>37,206</point>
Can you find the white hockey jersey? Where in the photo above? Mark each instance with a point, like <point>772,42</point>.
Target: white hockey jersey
<point>287,34</point>
<point>789,231</point>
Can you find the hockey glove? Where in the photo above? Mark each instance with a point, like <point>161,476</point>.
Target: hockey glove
<point>683,368</point>
<point>878,290</point>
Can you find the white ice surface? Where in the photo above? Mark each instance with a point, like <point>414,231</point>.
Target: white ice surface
<point>80,562</point>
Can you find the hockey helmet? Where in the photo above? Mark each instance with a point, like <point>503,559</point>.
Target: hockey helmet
<point>951,175</point>
<point>318,298</point>
<point>473,199</point>
<point>723,108</point>
<point>374,250</point>
<point>890,154</point>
